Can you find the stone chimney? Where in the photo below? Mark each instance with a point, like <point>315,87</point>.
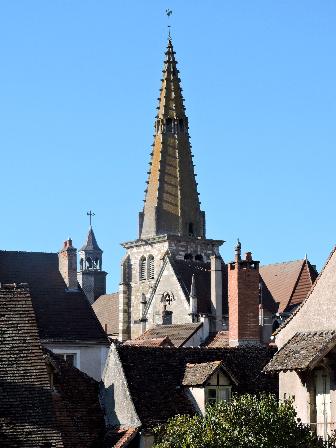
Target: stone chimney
<point>67,264</point>
<point>243,283</point>
<point>216,292</point>
<point>193,300</point>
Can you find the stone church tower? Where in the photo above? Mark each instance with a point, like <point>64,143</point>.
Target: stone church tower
<point>91,276</point>
<point>171,225</point>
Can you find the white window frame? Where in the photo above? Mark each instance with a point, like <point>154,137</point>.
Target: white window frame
<point>67,351</point>
<point>218,389</point>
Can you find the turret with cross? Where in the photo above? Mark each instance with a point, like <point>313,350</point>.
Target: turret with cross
<point>91,276</point>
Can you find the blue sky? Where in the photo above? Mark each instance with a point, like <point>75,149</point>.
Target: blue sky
<point>78,86</point>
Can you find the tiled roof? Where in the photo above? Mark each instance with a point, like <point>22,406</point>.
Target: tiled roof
<point>32,413</point>
<point>60,315</point>
<point>218,340</point>
<point>185,269</point>
<point>120,437</point>
<point>155,375</point>
<point>91,242</point>
<point>106,308</point>
<point>297,310</point>
<point>154,342</point>
<point>178,334</point>
<point>303,351</point>
<point>288,283</point>
<point>26,404</point>
<point>198,374</point>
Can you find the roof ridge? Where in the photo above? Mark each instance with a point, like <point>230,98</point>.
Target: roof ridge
<point>290,318</point>
<point>282,262</point>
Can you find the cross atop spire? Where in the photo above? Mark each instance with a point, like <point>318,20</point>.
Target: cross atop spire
<point>90,214</point>
<point>171,204</point>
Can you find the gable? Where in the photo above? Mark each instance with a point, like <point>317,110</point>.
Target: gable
<point>60,315</point>
<point>317,312</point>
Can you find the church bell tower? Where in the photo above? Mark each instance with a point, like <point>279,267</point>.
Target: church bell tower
<point>171,223</point>
<point>91,276</point>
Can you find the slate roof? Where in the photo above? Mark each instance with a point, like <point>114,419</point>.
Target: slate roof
<point>178,334</point>
<point>155,375</point>
<point>26,405</point>
<point>60,315</point>
<point>91,242</point>
<point>185,269</point>
<point>286,284</point>
<point>106,308</point>
<point>303,351</point>
<point>198,374</point>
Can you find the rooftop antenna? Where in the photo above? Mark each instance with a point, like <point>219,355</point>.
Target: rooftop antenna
<point>90,214</point>
<point>169,12</point>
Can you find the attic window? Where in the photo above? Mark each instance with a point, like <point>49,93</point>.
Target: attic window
<point>215,394</point>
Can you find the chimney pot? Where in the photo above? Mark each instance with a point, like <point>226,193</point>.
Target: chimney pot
<point>248,256</point>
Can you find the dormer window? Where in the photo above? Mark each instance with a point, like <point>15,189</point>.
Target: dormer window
<point>208,383</point>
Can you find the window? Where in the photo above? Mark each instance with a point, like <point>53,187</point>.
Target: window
<point>215,394</point>
<point>199,257</point>
<point>188,257</point>
<point>191,229</point>
<point>150,266</point>
<point>70,358</point>
<point>142,268</point>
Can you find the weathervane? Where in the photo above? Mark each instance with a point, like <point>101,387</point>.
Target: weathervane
<point>90,214</point>
<point>169,12</point>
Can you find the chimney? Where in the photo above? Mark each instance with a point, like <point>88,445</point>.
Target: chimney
<point>193,300</point>
<point>67,264</point>
<point>216,292</point>
<point>243,284</point>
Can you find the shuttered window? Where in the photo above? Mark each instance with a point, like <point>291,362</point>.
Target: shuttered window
<point>150,267</point>
<point>142,268</point>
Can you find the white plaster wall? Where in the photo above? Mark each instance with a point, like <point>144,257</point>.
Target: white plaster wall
<point>198,396</point>
<point>318,312</point>
<point>91,358</point>
<point>290,386</point>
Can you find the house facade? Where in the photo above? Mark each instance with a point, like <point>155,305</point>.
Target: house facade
<point>306,358</point>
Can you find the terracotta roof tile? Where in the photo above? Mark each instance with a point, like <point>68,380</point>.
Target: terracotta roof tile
<point>287,283</point>
<point>218,340</point>
<point>178,334</point>
<point>106,308</point>
<point>302,351</point>
<point>120,437</point>
<point>154,342</point>
<point>197,374</point>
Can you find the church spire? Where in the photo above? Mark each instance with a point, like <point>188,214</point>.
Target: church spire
<point>171,204</point>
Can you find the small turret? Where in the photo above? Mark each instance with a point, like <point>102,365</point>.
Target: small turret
<point>91,277</point>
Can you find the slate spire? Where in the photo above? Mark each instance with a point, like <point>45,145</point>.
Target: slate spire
<point>91,242</point>
<point>171,204</point>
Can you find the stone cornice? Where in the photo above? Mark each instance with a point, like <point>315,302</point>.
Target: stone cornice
<point>170,238</point>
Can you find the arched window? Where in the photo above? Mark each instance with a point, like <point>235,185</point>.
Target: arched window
<point>142,268</point>
<point>150,267</point>
<point>199,257</point>
<point>188,257</point>
<point>89,263</point>
<point>81,264</point>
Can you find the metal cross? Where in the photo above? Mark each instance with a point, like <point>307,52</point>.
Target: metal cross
<point>91,214</point>
<point>169,12</point>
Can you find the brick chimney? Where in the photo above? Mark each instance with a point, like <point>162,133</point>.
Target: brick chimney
<point>243,283</point>
<point>67,264</point>
<point>216,292</point>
